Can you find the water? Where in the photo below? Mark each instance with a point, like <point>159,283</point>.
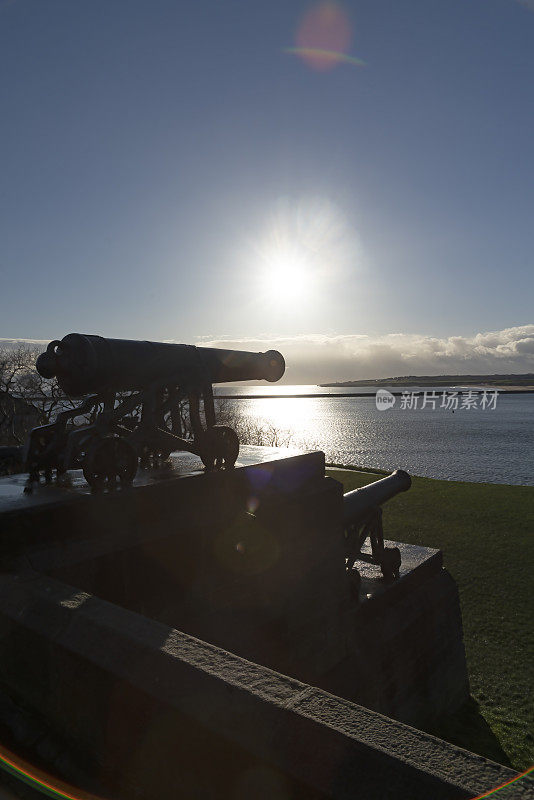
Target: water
<point>494,446</point>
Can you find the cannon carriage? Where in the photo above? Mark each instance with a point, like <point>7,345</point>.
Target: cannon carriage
<point>133,395</point>
<point>362,520</point>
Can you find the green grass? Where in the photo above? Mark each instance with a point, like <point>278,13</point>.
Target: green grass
<point>486,533</point>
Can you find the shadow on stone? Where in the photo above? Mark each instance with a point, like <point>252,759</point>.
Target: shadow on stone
<point>468,728</point>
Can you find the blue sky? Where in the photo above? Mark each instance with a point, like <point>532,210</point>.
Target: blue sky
<point>170,172</point>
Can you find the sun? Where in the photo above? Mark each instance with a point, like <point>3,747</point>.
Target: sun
<point>305,246</point>
<point>286,276</point>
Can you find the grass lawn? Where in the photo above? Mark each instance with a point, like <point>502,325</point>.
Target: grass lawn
<point>486,533</point>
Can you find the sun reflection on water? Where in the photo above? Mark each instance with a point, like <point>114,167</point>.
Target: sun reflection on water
<point>287,414</point>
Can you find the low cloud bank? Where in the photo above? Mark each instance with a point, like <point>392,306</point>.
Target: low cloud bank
<point>317,358</point>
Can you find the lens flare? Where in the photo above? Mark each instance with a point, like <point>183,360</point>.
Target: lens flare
<point>37,779</point>
<point>493,792</point>
<point>323,38</point>
<point>330,57</point>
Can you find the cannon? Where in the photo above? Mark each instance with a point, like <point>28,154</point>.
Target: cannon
<point>133,394</point>
<point>362,519</point>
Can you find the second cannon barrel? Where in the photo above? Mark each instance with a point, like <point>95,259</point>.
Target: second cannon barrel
<point>357,504</point>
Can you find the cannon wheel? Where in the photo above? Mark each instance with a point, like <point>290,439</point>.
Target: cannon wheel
<point>107,459</point>
<point>220,447</point>
<point>390,564</point>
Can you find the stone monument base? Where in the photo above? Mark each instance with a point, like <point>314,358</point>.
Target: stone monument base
<point>122,706</point>
<point>252,560</point>
<point>105,595</point>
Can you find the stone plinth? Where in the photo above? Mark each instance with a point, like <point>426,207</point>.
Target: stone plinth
<point>252,560</point>
<point>224,556</point>
<point>405,654</point>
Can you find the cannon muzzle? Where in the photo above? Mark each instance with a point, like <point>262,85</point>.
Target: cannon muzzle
<point>85,364</point>
<point>358,503</point>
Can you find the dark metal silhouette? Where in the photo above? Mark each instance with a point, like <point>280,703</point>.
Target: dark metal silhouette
<point>144,423</point>
<point>362,519</point>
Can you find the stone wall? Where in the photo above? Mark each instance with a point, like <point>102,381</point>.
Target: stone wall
<point>165,715</point>
<point>252,561</point>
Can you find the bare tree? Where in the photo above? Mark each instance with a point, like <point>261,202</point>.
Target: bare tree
<point>249,430</point>
<point>16,417</point>
<point>26,398</point>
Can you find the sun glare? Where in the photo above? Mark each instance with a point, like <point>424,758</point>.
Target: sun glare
<point>305,248</point>
<point>286,277</point>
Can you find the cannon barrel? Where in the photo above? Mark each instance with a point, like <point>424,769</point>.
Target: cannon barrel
<point>359,502</point>
<point>85,364</point>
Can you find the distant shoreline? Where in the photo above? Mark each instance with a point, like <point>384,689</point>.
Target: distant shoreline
<point>503,383</point>
<point>397,393</point>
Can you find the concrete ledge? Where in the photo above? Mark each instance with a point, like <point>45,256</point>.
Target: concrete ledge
<point>133,691</point>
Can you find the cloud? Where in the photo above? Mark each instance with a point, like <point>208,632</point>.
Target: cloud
<point>318,358</point>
